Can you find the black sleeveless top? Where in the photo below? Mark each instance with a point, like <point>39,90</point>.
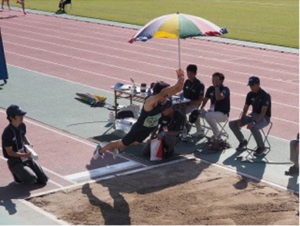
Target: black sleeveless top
<point>149,120</point>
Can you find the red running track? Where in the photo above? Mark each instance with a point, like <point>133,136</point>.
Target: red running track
<point>100,55</point>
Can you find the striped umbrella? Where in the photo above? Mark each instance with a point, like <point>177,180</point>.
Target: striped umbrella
<point>177,26</point>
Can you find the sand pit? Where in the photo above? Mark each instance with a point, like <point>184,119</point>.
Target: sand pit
<point>190,192</point>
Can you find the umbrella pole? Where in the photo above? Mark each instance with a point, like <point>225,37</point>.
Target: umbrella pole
<point>179,60</point>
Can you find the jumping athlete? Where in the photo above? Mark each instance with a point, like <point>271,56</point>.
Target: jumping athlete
<point>149,117</point>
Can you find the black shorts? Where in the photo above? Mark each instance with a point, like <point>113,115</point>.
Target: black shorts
<point>136,134</point>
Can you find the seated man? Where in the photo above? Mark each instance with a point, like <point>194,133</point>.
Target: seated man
<point>23,168</point>
<point>260,101</point>
<point>294,157</point>
<point>219,96</point>
<point>62,5</point>
<point>170,126</point>
<point>193,89</point>
<point>148,119</point>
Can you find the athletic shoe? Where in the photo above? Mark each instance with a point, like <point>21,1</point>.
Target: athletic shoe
<point>259,151</point>
<point>198,134</point>
<point>242,145</point>
<point>97,152</point>
<point>116,153</point>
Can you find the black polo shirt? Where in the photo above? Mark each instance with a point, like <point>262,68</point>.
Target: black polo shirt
<point>220,105</point>
<point>174,123</point>
<point>13,137</point>
<point>259,100</point>
<point>193,90</point>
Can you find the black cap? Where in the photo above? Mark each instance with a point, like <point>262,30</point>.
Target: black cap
<point>253,80</point>
<point>193,116</point>
<point>14,110</point>
<point>168,104</point>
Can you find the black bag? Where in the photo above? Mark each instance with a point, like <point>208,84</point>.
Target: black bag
<point>217,145</point>
<point>125,114</point>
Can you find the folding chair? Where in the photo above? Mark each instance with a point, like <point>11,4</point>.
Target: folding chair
<point>265,141</point>
<point>222,125</point>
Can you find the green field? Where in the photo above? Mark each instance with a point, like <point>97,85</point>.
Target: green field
<point>264,21</point>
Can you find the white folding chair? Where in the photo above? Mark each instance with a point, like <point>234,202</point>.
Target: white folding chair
<point>222,126</point>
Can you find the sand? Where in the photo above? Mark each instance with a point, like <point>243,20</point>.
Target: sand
<point>190,192</point>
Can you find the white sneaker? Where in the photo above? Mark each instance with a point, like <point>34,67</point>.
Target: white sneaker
<point>116,153</point>
<point>198,134</point>
<point>97,152</point>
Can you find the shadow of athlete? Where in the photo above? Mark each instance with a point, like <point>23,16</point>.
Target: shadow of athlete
<point>116,214</point>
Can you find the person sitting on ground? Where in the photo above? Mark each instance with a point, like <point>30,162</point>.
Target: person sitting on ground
<point>62,5</point>
<point>7,2</point>
<point>23,168</point>
<point>22,3</point>
<point>148,119</point>
<point>219,96</point>
<point>294,157</point>
<point>193,89</point>
<point>260,117</point>
<point>170,126</point>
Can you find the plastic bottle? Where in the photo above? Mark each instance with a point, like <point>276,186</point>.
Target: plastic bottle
<point>143,87</point>
<point>181,96</point>
<point>149,92</point>
<point>111,117</point>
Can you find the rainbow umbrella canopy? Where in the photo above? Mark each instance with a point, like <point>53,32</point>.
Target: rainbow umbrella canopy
<point>177,26</point>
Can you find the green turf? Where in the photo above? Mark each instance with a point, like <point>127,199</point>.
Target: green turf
<point>265,21</point>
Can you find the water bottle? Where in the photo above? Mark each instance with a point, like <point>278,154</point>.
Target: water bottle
<point>111,117</point>
<point>143,87</point>
<point>182,96</point>
<point>149,92</point>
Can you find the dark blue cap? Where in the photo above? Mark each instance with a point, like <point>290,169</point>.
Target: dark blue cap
<point>14,110</point>
<point>168,104</point>
<point>253,80</point>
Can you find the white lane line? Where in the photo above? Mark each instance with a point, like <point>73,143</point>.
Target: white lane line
<point>110,92</point>
<point>98,39</point>
<point>115,78</point>
<point>43,212</point>
<point>101,31</point>
<point>137,53</point>
<point>86,175</point>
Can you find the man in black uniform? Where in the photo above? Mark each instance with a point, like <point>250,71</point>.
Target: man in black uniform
<point>149,117</point>
<point>23,168</point>
<point>193,89</point>
<point>260,101</point>
<point>219,96</point>
<point>170,126</point>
